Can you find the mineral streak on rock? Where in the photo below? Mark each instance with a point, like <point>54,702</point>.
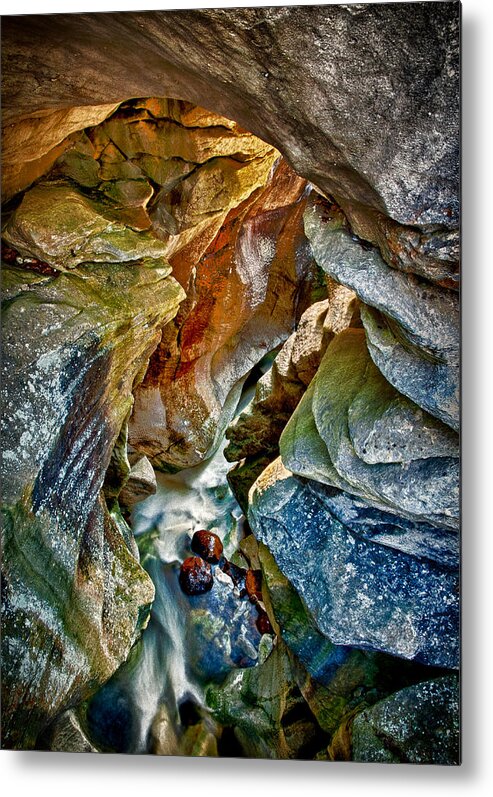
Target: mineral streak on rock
<point>243,297</point>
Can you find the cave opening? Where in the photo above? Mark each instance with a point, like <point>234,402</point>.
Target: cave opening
<point>161,181</point>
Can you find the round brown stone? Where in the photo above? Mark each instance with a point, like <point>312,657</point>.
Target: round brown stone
<point>207,545</point>
<point>195,576</point>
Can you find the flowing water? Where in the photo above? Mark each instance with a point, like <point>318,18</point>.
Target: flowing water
<point>189,641</point>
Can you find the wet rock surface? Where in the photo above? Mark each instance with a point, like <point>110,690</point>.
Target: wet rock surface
<point>207,545</point>
<point>432,385</point>
<point>195,576</point>
<point>361,591</point>
<point>426,315</point>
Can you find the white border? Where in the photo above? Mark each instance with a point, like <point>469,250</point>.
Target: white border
<point>78,776</point>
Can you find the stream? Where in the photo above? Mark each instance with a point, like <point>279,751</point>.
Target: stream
<point>189,642</point>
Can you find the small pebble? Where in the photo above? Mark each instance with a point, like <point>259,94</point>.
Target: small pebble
<point>236,574</point>
<point>253,584</point>
<point>263,623</point>
<point>207,545</point>
<point>195,576</point>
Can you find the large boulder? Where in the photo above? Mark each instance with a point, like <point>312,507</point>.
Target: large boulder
<point>418,725</point>
<point>335,680</point>
<point>354,431</point>
<point>369,578</point>
<point>55,223</point>
<point>75,344</point>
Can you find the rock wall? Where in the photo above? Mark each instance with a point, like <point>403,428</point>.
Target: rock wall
<point>245,293</point>
<point>74,346</point>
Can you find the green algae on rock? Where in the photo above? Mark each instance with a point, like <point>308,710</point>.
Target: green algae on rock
<point>355,525</point>
<point>264,709</point>
<point>59,225</point>
<point>347,406</point>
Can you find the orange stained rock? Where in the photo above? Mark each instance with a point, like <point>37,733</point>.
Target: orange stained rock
<point>242,298</point>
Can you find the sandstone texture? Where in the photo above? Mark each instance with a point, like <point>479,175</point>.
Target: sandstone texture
<point>244,295</point>
<point>384,142</point>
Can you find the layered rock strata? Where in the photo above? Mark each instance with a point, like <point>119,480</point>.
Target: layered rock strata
<point>369,457</point>
<point>227,212</point>
<point>244,295</point>
<point>412,325</point>
<point>254,435</point>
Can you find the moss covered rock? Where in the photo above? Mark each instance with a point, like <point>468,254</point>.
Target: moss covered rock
<point>57,224</point>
